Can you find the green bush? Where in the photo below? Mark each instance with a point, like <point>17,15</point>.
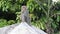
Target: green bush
<point>11,22</point>
<point>3,22</point>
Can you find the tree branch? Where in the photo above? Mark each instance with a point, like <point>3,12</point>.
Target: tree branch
<point>39,3</point>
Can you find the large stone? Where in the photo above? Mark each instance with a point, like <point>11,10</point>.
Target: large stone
<point>7,29</point>
<point>22,28</point>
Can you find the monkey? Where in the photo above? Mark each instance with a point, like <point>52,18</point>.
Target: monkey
<point>25,14</point>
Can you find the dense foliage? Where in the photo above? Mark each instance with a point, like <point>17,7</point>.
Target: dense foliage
<point>44,14</point>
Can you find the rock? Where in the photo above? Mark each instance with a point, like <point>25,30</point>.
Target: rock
<point>22,28</point>
<point>7,29</point>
